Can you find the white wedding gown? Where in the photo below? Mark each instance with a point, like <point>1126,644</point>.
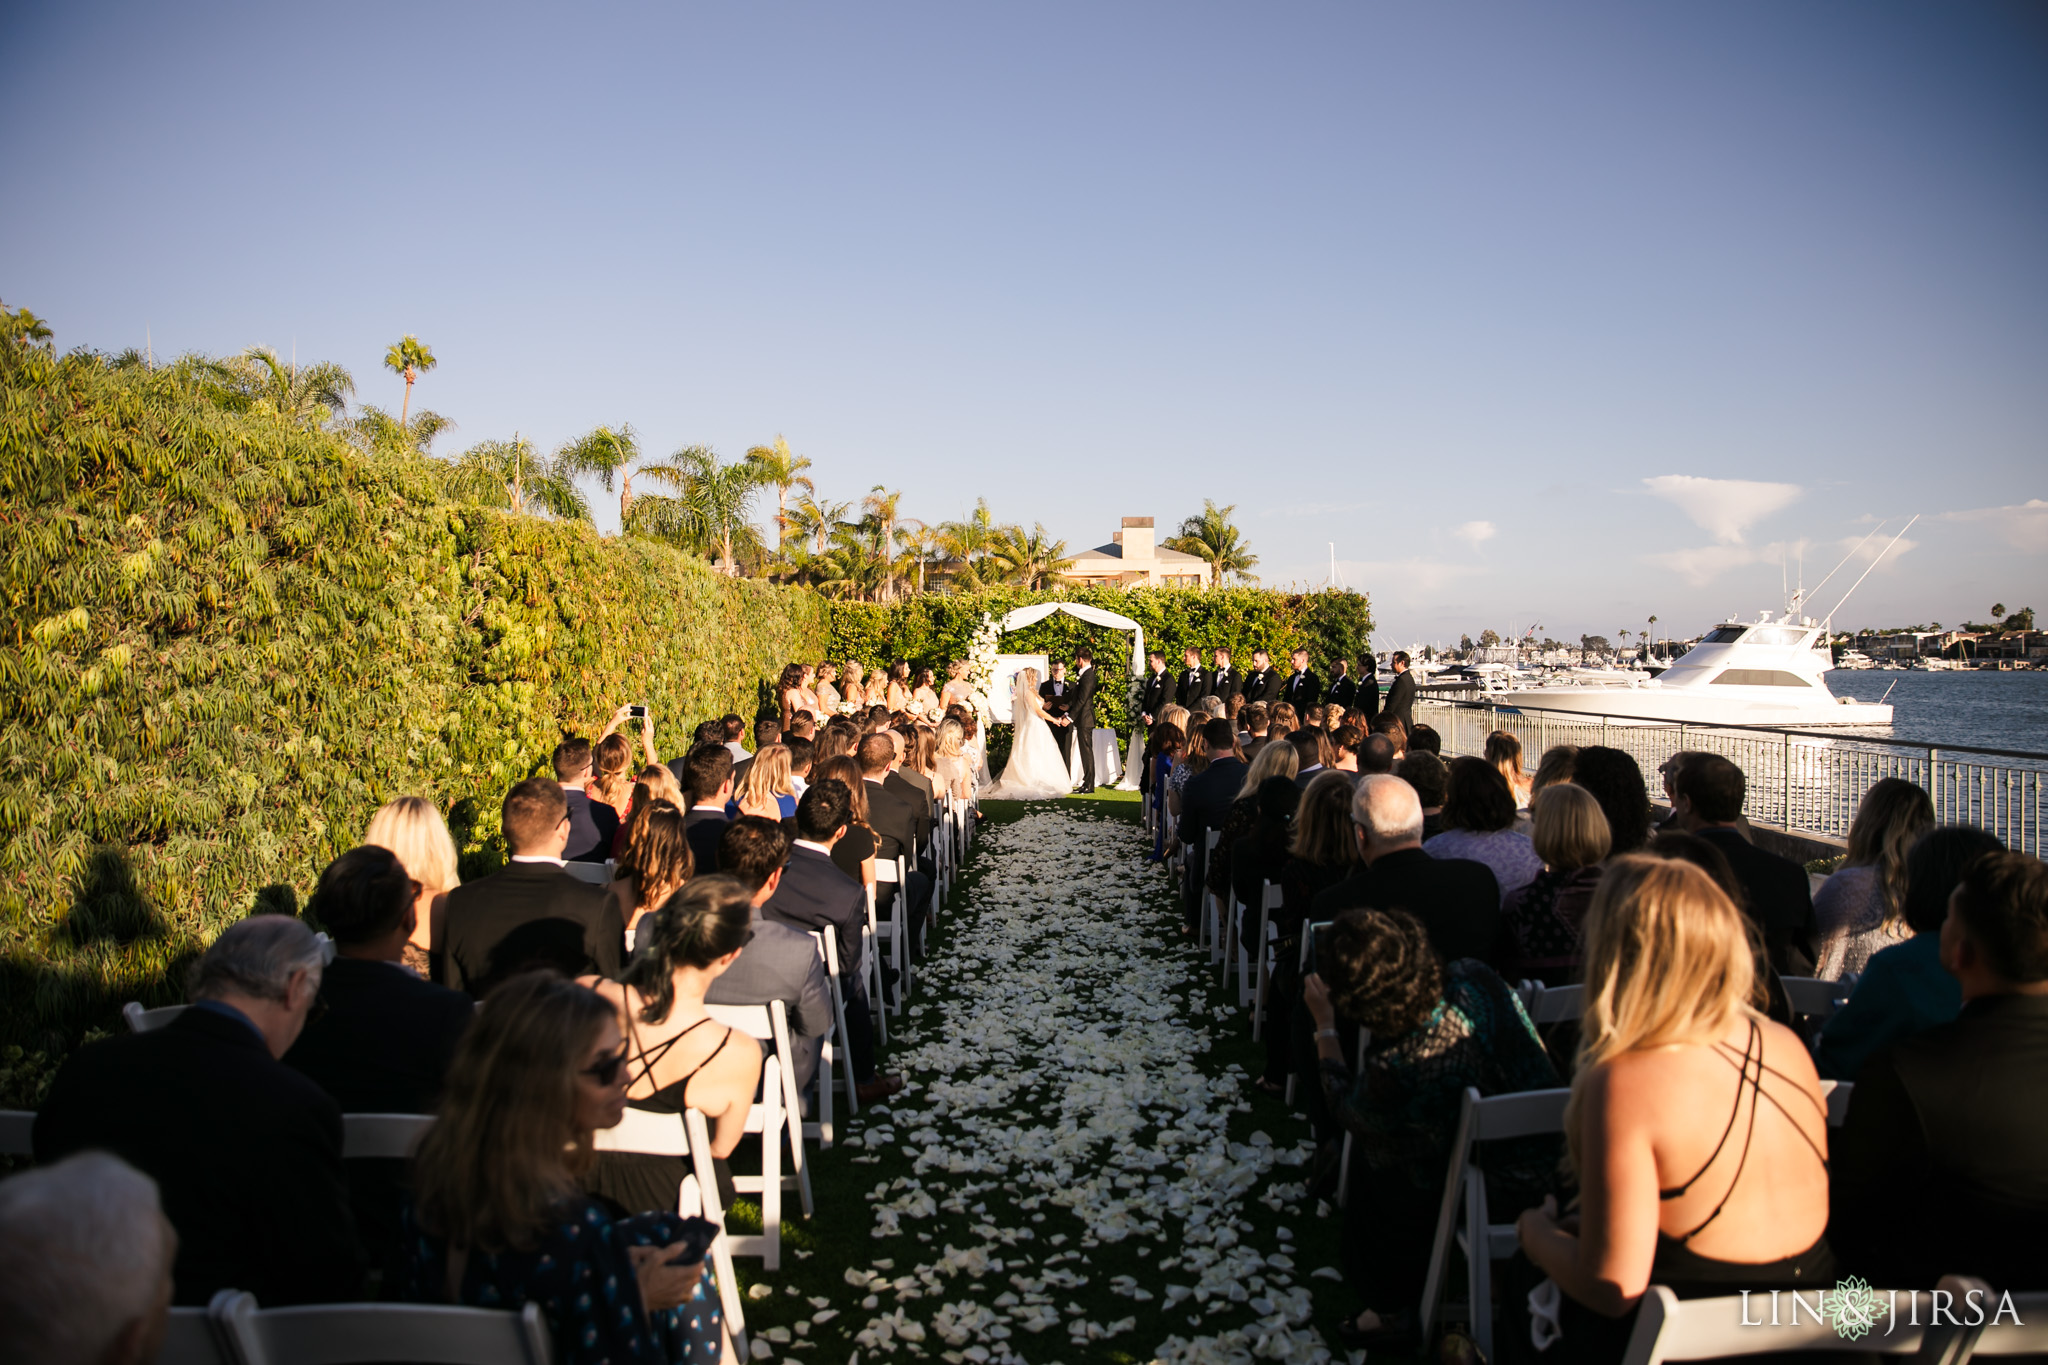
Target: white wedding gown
<point>1035,772</point>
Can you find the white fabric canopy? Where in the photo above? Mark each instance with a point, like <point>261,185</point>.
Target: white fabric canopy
<point>1094,616</point>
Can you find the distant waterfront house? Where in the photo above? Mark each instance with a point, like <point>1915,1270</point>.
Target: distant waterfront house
<point>1133,560</point>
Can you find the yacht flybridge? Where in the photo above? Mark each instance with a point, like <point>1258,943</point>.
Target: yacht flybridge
<point>1762,672</point>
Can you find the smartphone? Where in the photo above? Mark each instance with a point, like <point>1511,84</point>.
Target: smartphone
<point>637,711</point>
<point>694,1241</point>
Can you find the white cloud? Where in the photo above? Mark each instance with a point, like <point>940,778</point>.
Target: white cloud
<point>1724,508</point>
<point>1401,579</point>
<point>1707,562</point>
<point>1475,533</point>
<point>2024,526</point>
<point>1702,564</point>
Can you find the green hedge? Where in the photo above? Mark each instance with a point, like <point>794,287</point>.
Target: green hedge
<point>231,638</point>
<point>933,629</point>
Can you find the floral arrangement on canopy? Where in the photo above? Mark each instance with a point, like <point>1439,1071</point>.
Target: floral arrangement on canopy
<point>981,663</point>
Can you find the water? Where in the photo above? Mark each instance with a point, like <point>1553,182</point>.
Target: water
<point>1994,710</point>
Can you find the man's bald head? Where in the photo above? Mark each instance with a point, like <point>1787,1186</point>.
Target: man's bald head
<point>1388,814</point>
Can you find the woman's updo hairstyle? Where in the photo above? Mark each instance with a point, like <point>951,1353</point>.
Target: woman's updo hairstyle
<point>697,926</point>
<point>1381,970</point>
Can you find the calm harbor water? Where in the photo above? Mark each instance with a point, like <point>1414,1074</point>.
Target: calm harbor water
<point>1996,710</point>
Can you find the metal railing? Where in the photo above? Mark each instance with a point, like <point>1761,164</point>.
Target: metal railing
<point>1803,781</point>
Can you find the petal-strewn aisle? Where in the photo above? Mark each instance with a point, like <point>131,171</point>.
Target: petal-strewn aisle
<point>1074,1171</point>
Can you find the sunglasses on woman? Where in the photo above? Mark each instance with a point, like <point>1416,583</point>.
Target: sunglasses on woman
<point>606,1070</point>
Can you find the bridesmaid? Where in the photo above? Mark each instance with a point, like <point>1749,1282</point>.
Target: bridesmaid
<point>957,691</point>
<point>855,695</point>
<point>924,703</point>
<point>828,695</point>
<point>896,696</point>
<point>790,691</point>
<point>811,701</point>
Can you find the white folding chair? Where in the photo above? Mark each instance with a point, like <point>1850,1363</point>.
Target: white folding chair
<point>597,874</point>
<point>1554,1004</point>
<point>896,930</point>
<point>141,1020</point>
<point>1838,1093</point>
<point>1270,899</point>
<point>1344,1155</point>
<point>776,1114</point>
<point>383,1135</point>
<point>687,1135</point>
<point>199,1336</point>
<point>1998,1336</point>
<point>1481,1119</point>
<point>359,1333</point>
<point>17,1132</point>
<point>1816,996</point>
<point>836,1046</point>
<point>1211,933</point>
<point>1670,1328</point>
<point>871,968</point>
<point>1308,933</point>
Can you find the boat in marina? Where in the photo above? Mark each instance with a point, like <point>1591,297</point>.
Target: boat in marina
<point>1762,672</point>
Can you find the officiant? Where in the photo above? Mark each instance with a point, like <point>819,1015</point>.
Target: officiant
<point>1058,695</point>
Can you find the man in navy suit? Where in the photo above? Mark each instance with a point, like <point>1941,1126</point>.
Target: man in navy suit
<point>592,824</point>
<point>1205,804</point>
<point>814,894</point>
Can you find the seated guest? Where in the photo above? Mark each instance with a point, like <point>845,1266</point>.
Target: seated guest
<point>1554,767</point>
<point>854,853</point>
<point>592,824</point>
<point>677,1055</point>
<point>382,1039</point>
<point>1394,730</point>
<point>1940,1168</point>
<point>765,786</point>
<point>707,782</point>
<point>1432,782</point>
<point>1311,748</point>
<point>1322,851</point>
<point>1164,743</point>
<point>1504,751</point>
<point>802,753</point>
<point>499,1220</point>
<point>1544,920</point>
<point>815,893</point>
<point>1708,858</point>
<point>412,828</point>
<point>654,783</point>
<point>1617,784</point>
<point>732,727</point>
<point>897,821</point>
<point>1275,760</point>
<point>531,913</point>
<point>781,962</point>
<point>656,866</point>
<point>1479,824</point>
<point>85,1264</point>
<point>1257,722</point>
<point>1709,793</point>
<point>1860,910</point>
<point>955,771</point>
<point>1345,741</point>
<point>1376,755</point>
<point>767,731</point>
<point>1437,1028</point>
<point>1904,989</point>
<point>1456,899</point>
<point>1424,739</point>
<point>1206,799</point>
<point>1260,855</point>
<point>1191,762</point>
<point>245,1151</point>
<point>1696,1126</point>
<point>611,775</point>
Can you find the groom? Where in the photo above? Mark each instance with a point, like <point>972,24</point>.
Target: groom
<point>1081,701</point>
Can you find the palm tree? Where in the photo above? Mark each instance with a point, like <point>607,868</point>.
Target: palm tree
<point>708,510</point>
<point>856,565</point>
<point>1213,538</point>
<point>605,454</point>
<point>816,520</point>
<point>880,504</point>
<point>919,542</point>
<point>308,396</point>
<point>21,325</point>
<point>967,542</point>
<point>781,469</point>
<point>377,430</point>
<point>408,357</point>
<point>1651,635</point>
<point>1998,611</point>
<point>1030,559</point>
<point>515,476</point>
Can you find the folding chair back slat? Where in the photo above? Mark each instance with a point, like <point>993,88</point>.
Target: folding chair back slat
<point>1670,1328</point>
<point>361,1333</point>
<point>141,1020</point>
<point>17,1132</point>
<point>192,1338</point>
<point>383,1135</point>
<point>1815,996</point>
<point>597,874</point>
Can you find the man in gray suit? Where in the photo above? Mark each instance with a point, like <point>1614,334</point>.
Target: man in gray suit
<point>779,962</point>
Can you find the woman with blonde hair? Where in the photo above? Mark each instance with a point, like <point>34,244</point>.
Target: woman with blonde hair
<point>827,694</point>
<point>1544,918</point>
<point>657,863</point>
<point>955,771</point>
<point>498,1218</point>
<point>412,828</point>
<point>1504,752</point>
<point>850,689</point>
<point>1861,908</point>
<point>766,787</point>
<point>652,783</point>
<point>957,691</point>
<point>1242,820</point>
<point>1696,1125</point>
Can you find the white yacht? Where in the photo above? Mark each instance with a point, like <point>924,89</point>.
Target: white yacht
<point>1762,672</point>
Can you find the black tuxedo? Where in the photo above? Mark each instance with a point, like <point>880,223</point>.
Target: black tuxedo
<point>592,827</point>
<point>897,820</point>
<point>245,1151</point>
<point>1457,900</point>
<point>1262,685</point>
<point>1058,696</point>
<point>381,1045</point>
<point>1154,696</point>
<point>1368,698</point>
<point>1401,700</point>
<point>815,894</point>
<point>1343,692</point>
<point>1081,709</point>
<point>1224,683</point>
<point>704,827</point>
<point>1780,901</point>
<point>524,916</point>
<point>1190,685</point>
<point>1301,691</point>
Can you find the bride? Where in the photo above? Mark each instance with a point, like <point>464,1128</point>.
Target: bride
<point>1035,772</point>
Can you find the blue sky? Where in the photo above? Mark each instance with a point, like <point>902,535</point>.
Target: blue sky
<point>1560,315</point>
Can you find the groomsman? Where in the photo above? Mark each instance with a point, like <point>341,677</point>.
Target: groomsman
<point>1192,683</point>
<point>1368,699</point>
<point>1343,688</point>
<point>1081,710</point>
<point>1157,692</point>
<point>1262,684</point>
<point>1224,681</point>
<point>1302,688</point>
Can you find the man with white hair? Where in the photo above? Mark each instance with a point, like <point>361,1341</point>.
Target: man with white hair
<point>245,1151</point>
<point>1456,899</point>
<point>85,1264</point>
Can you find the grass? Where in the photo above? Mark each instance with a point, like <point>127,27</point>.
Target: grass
<point>818,1251</point>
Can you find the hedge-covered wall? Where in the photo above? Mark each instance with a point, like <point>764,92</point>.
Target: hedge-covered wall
<point>230,638</point>
<point>933,629</point>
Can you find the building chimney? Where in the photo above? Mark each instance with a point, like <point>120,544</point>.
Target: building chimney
<point>1136,538</point>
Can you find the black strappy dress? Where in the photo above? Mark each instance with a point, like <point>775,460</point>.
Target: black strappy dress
<point>641,1182</point>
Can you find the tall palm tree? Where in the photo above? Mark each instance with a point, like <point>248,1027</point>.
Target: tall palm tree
<point>19,324</point>
<point>308,396</point>
<point>880,504</point>
<point>919,542</point>
<point>781,469</point>
<point>409,357</point>
<point>515,476</point>
<point>1030,559</point>
<point>372,428</point>
<point>967,541</point>
<point>815,521</point>
<point>1215,539</point>
<point>606,453</point>
<point>709,506</point>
